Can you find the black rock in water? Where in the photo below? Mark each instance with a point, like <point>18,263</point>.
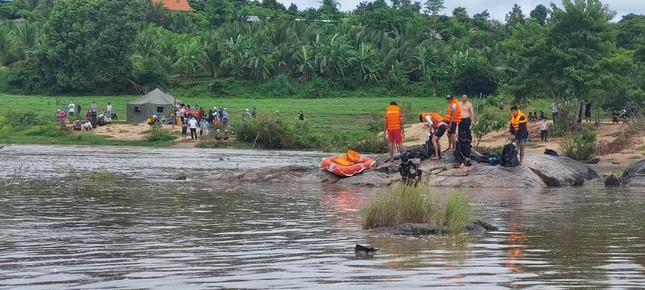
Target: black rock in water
<point>612,181</point>
<point>359,249</point>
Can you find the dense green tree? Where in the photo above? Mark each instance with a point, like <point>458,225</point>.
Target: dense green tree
<point>540,14</point>
<point>631,31</point>
<point>515,15</point>
<point>329,9</point>
<point>87,43</point>
<point>293,9</point>
<point>433,7</point>
<point>219,11</point>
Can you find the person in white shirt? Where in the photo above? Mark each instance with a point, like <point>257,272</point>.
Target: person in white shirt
<point>544,126</point>
<point>554,110</point>
<point>72,109</point>
<point>109,110</point>
<point>192,123</point>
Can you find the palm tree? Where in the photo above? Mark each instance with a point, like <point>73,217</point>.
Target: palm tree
<point>212,54</point>
<point>189,53</point>
<point>304,61</point>
<point>367,63</point>
<point>148,43</point>
<point>7,46</point>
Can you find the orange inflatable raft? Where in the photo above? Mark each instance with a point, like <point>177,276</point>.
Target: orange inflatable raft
<point>348,164</point>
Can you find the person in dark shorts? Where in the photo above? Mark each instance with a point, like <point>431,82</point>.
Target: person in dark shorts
<point>520,129</point>
<point>453,118</point>
<point>184,128</point>
<point>588,111</point>
<point>436,129</point>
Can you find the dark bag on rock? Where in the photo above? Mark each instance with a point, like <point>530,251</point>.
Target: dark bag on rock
<point>492,159</point>
<point>509,155</point>
<point>551,152</point>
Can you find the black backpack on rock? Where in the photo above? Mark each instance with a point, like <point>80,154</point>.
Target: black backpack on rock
<point>509,154</point>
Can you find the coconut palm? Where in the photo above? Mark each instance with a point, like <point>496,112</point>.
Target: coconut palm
<point>189,54</point>
<point>28,36</point>
<point>8,46</point>
<point>366,63</point>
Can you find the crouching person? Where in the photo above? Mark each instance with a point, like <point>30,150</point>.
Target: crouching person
<point>410,172</point>
<point>462,150</point>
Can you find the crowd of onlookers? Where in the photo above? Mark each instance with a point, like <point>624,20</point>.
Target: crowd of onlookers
<point>191,118</point>
<point>91,119</point>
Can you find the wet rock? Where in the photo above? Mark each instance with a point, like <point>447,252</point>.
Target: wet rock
<point>284,174</point>
<point>612,181</point>
<point>424,229</point>
<point>634,175</point>
<point>418,230</point>
<point>367,179</point>
<point>181,177</point>
<point>559,171</point>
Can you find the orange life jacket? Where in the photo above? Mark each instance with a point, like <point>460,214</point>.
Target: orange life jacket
<point>436,118</point>
<point>393,117</point>
<point>515,121</point>
<point>457,118</point>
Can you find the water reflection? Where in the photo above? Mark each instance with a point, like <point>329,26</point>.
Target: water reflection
<point>147,233</point>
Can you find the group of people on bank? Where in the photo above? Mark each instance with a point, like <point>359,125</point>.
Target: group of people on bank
<point>457,122</point>
<point>92,117</point>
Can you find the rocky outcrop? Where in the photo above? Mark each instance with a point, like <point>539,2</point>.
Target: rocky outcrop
<point>538,171</point>
<point>634,175</point>
<point>612,181</point>
<point>422,229</point>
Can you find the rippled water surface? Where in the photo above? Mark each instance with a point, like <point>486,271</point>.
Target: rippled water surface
<point>61,230</point>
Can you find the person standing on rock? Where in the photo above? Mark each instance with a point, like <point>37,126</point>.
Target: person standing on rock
<point>394,128</point>
<point>467,117</point>
<point>436,129</point>
<point>453,118</point>
<point>519,128</point>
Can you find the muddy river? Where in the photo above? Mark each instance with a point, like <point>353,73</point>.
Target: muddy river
<point>61,229</point>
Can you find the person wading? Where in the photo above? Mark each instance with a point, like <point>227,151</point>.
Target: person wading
<point>394,128</point>
<point>436,127</point>
<point>453,118</point>
<point>519,128</point>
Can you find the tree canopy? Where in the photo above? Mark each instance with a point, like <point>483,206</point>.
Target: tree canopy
<point>400,47</point>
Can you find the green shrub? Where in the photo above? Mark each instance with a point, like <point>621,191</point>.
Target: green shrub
<point>489,120</point>
<point>159,134</point>
<point>21,120</point>
<point>272,132</point>
<point>151,73</point>
<point>49,130</point>
<point>374,144</point>
<point>580,144</point>
<point>280,86</point>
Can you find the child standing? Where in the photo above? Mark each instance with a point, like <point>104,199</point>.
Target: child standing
<point>544,126</point>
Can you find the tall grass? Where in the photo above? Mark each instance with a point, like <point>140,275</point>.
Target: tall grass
<point>401,204</point>
<point>456,213</point>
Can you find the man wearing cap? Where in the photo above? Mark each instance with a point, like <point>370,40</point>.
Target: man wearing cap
<point>453,118</point>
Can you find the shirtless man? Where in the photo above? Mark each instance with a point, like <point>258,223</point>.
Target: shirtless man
<point>467,117</point>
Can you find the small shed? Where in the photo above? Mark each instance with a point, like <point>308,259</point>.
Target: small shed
<point>156,101</point>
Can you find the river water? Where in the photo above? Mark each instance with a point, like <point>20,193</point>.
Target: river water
<point>146,230</point>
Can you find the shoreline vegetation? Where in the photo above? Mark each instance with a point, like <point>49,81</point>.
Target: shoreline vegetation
<point>401,204</point>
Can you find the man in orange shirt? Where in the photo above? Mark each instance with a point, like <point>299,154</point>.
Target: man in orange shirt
<point>453,118</point>
<point>394,128</point>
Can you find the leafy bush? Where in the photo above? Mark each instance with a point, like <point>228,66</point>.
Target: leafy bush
<point>489,120</point>
<point>49,130</point>
<point>21,79</point>
<point>580,144</point>
<point>159,134</point>
<point>316,88</point>
<point>20,120</point>
<point>151,73</point>
<point>272,132</point>
<point>280,86</point>
<point>374,144</point>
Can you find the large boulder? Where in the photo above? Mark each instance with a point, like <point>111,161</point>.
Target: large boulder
<point>559,171</point>
<point>634,175</point>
